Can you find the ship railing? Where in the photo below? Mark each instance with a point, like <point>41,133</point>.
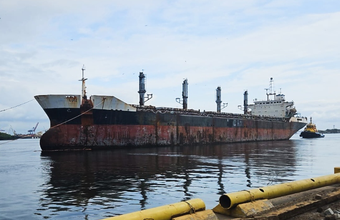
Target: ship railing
<point>163,110</point>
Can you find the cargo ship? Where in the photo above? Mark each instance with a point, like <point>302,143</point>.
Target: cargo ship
<point>101,122</point>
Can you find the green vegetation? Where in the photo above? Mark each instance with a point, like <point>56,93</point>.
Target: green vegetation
<point>4,136</point>
<point>330,131</point>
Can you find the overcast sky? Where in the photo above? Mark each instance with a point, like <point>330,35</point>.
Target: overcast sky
<point>237,45</point>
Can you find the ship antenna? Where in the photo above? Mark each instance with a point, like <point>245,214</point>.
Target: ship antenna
<point>83,87</point>
<point>270,88</point>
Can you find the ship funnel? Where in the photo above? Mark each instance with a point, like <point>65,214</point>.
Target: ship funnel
<point>185,94</point>
<point>142,90</point>
<point>245,102</point>
<point>218,99</point>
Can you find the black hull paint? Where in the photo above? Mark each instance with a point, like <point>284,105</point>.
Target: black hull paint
<point>307,134</point>
<point>114,128</point>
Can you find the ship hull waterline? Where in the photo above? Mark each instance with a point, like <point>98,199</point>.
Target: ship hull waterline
<point>308,134</point>
<point>116,129</point>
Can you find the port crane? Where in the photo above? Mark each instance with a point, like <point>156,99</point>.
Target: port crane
<point>32,131</point>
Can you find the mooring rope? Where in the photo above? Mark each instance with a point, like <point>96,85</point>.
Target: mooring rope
<point>192,209</point>
<point>16,106</point>
<point>5,142</point>
<point>78,115</point>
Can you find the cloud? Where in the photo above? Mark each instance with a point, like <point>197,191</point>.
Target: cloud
<point>232,44</point>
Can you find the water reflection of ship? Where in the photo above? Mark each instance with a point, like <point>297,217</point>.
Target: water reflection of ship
<point>77,177</point>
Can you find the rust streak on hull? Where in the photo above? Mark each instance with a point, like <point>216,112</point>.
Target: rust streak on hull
<point>97,122</point>
<point>107,136</point>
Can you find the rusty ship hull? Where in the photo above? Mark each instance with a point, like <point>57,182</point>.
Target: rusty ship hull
<point>98,122</point>
<point>109,122</point>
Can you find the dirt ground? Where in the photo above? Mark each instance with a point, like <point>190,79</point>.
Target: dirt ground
<point>310,204</point>
<point>318,213</point>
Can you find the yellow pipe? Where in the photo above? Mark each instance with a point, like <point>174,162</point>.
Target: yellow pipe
<point>202,215</point>
<point>231,199</point>
<point>336,169</point>
<point>164,212</point>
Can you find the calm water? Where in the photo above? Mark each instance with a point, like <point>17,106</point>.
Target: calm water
<point>100,184</point>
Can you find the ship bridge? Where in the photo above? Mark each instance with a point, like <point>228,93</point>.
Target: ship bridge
<point>274,106</point>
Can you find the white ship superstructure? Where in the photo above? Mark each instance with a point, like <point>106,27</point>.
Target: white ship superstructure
<point>275,105</point>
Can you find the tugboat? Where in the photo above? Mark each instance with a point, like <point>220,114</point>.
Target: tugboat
<point>310,131</point>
